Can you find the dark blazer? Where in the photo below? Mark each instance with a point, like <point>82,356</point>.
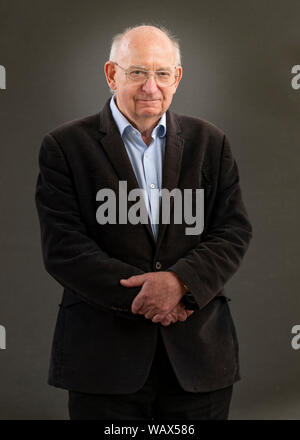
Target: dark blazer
<point>99,346</point>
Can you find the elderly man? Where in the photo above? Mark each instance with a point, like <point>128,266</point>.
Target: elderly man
<point>144,329</point>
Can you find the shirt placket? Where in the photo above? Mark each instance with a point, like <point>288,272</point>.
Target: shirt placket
<point>152,185</point>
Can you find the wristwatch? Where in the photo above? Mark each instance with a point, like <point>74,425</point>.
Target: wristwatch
<point>188,299</point>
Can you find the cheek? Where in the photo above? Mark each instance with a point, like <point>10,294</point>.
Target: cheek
<point>128,98</point>
<point>130,95</point>
<point>167,98</point>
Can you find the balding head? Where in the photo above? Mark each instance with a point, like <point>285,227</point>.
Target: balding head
<point>143,33</point>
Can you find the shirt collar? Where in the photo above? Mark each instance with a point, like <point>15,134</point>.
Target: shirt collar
<point>122,123</point>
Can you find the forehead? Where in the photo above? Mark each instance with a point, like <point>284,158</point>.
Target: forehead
<point>148,50</point>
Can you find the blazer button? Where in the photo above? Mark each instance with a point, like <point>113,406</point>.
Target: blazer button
<point>158,265</point>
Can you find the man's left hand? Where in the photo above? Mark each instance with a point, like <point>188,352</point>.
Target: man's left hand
<point>160,292</point>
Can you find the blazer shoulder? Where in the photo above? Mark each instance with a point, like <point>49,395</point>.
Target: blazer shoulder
<point>193,127</point>
<point>76,128</point>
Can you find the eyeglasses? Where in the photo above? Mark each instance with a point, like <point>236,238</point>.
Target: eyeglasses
<point>163,78</point>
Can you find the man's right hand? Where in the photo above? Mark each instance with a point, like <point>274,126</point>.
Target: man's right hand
<point>178,313</point>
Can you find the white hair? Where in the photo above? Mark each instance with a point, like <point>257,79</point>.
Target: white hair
<point>117,39</point>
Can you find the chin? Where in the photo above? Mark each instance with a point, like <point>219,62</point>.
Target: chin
<point>154,107</point>
<point>150,111</point>
<point>150,114</point>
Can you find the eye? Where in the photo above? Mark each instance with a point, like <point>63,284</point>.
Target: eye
<point>163,74</point>
<point>137,72</point>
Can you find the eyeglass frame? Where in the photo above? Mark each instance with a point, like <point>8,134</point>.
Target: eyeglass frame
<point>148,71</point>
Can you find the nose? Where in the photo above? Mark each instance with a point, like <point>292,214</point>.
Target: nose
<point>150,85</point>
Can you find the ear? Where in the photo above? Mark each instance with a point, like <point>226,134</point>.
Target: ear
<point>178,79</point>
<point>110,72</point>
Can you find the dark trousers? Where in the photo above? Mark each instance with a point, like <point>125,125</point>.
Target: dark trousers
<point>161,397</point>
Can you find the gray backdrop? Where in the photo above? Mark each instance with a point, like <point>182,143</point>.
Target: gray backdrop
<point>237,60</point>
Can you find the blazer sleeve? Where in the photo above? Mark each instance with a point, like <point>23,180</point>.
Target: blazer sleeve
<point>72,257</point>
<point>206,268</point>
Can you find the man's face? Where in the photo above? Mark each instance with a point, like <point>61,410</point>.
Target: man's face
<point>143,104</point>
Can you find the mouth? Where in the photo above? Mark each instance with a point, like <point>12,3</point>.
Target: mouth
<point>148,100</point>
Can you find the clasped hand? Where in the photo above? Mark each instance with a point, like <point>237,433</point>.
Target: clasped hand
<point>159,297</point>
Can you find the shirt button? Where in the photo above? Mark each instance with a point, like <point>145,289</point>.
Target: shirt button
<point>158,265</point>
<point>152,185</point>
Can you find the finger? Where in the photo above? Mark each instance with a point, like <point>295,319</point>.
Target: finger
<point>150,306</point>
<point>165,322</point>
<point>170,318</point>
<point>158,318</point>
<point>182,317</point>
<point>187,314</point>
<point>137,304</point>
<point>150,309</point>
<point>146,308</point>
<point>150,314</point>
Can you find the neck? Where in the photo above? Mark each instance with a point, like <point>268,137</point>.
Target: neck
<point>146,126</point>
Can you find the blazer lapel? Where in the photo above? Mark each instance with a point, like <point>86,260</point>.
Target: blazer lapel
<point>171,165</point>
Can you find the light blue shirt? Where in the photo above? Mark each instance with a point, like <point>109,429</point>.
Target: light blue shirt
<point>146,160</point>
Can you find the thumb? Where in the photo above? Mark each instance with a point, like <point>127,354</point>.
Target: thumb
<point>136,280</point>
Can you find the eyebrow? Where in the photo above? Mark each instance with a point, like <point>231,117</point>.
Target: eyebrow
<point>145,68</point>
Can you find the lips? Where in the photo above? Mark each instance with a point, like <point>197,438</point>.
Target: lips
<point>148,100</point>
